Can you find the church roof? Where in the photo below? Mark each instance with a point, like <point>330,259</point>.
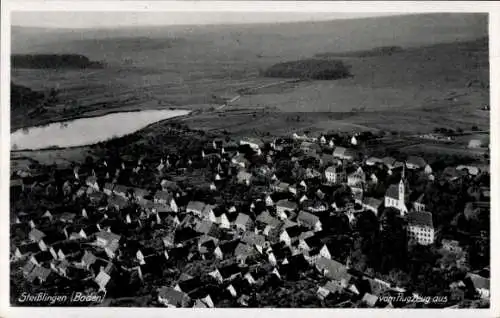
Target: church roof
<point>392,191</point>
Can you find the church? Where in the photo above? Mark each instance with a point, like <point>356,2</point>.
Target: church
<point>396,194</point>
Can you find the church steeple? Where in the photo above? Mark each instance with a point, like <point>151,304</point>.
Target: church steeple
<point>401,196</point>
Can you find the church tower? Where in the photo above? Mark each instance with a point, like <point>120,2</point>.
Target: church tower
<point>401,198</point>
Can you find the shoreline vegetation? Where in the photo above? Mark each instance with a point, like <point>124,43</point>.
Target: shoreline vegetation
<point>53,61</point>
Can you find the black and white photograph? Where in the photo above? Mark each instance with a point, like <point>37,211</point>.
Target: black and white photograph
<point>220,159</point>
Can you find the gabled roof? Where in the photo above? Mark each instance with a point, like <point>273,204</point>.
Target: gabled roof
<point>204,226</point>
<point>88,258</point>
<point>163,195</point>
<point>188,285</point>
<point>196,206</point>
<point>28,248</point>
<point>339,151</point>
<point>286,204</point>
<point>334,270</point>
<point>36,234</point>
<point>266,218</point>
<point>392,191</point>
<point>252,238</point>
<point>294,231</point>
<point>174,297</point>
<point>108,236</point>
<point>243,219</point>
<point>478,281</point>
<point>422,219</point>
<point>228,248</point>
<point>228,271</point>
<point>313,242</point>
<point>307,218</point>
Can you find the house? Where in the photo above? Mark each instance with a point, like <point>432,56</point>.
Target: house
<point>254,143</point>
<point>389,162</point>
<point>480,284</point>
<point>244,177</point>
<point>418,204</point>
<point>108,188</point>
<point>334,174</point>
<point>256,240</point>
<point>372,161</point>
<point>371,204</point>
<point>41,258</point>
<point>344,153</point>
<point>91,182</point>
<point>170,297</point>
<point>165,198</point>
<point>414,162</point>
<point>24,250</point>
<point>243,252</point>
<point>88,259</point>
<point>309,147</point>
<point>67,217</point>
<point>356,178</point>
<point>266,219</point>
<point>206,227</point>
<point>195,207</point>
<point>369,299</point>
<point>240,160</point>
<point>284,208</point>
<point>451,246</point>
<point>117,202</point>
<point>143,253</point>
<point>331,287</point>
<point>290,235</point>
<point>309,243</point>
<point>309,221</point>
<point>27,268</point>
<point>420,227</point>
<point>36,235</point>
<point>329,160</point>
<point>450,174</point>
<point>226,249</point>
<point>243,222</point>
<point>121,191</point>
<point>104,238</point>
<point>333,270</point>
<point>280,186</point>
<point>39,274</point>
<point>51,238</point>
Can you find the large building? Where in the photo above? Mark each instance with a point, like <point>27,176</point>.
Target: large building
<point>420,227</point>
<point>335,174</point>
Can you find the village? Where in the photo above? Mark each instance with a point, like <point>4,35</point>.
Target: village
<point>295,221</point>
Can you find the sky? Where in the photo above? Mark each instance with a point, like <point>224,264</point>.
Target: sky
<point>80,19</point>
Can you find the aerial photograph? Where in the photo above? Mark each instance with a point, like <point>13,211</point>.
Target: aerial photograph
<point>249,159</point>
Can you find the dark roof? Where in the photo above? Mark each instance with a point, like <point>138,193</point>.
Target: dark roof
<point>229,270</point>
<point>43,256</point>
<point>173,296</point>
<point>422,218</point>
<point>229,247</point>
<point>28,248</point>
<point>294,231</point>
<point>392,191</point>
<point>189,285</point>
<point>313,241</point>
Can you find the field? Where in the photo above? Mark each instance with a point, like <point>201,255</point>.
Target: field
<point>441,80</point>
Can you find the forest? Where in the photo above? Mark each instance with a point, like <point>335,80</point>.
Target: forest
<point>309,69</point>
<point>56,61</point>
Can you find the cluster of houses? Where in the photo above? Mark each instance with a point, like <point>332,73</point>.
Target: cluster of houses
<point>283,232</point>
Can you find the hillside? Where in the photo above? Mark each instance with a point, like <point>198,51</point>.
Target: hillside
<point>200,65</point>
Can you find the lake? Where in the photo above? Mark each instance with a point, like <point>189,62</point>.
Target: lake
<point>87,131</point>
